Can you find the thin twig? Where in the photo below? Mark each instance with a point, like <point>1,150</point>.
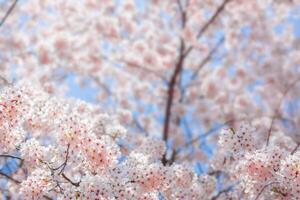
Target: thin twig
<point>10,178</point>
<point>276,113</point>
<point>70,181</point>
<point>262,190</point>
<point>295,149</point>
<point>46,197</point>
<point>171,89</point>
<point>148,70</point>
<point>18,182</point>
<point>62,166</point>
<point>213,18</point>
<point>209,22</point>
<point>134,65</point>
<point>4,80</point>
<point>101,84</point>
<point>10,156</point>
<point>13,5</point>
<point>140,126</point>
<point>225,190</point>
<point>209,131</point>
<point>66,160</point>
<point>208,57</point>
<point>183,14</point>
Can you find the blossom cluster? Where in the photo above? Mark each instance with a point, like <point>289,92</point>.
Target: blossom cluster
<point>76,152</point>
<point>262,172</point>
<point>82,153</point>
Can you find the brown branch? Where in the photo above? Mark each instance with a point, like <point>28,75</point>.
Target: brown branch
<point>192,141</point>
<point>4,80</point>
<point>215,173</point>
<point>262,190</point>
<point>226,190</point>
<point>9,11</point>
<point>183,14</point>
<point>202,30</point>
<point>171,88</point>
<point>208,57</point>
<point>200,66</point>
<point>276,112</point>
<point>172,159</point>
<point>10,156</point>
<point>140,126</point>
<point>70,181</point>
<point>137,66</point>
<point>271,127</point>
<point>46,197</point>
<point>210,130</point>
<point>64,164</point>
<point>173,80</point>
<point>19,182</point>
<point>209,22</point>
<point>213,18</point>
<point>101,84</point>
<point>13,157</point>
<point>295,149</point>
<point>10,178</point>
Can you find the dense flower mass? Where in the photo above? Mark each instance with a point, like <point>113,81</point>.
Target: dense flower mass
<point>76,158</point>
<point>178,99</point>
<point>79,156</point>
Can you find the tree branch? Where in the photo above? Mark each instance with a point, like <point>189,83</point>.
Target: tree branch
<point>183,14</point>
<point>70,181</point>
<point>62,168</point>
<point>10,178</point>
<point>295,149</point>
<point>64,164</point>
<point>225,190</point>
<point>209,22</point>
<point>213,18</point>
<point>208,57</point>
<point>101,84</point>
<point>171,88</point>
<point>10,156</point>
<point>276,113</point>
<point>9,11</point>
<point>19,182</point>
<point>140,126</point>
<point>6,82</point>
<point>137,66</point>
<point>263,189</point>
<point>192,141</point>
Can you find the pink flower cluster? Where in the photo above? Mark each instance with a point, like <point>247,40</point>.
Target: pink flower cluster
<point>69,160</point>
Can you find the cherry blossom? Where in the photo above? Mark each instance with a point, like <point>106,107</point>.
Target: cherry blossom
<point>191,99</point>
